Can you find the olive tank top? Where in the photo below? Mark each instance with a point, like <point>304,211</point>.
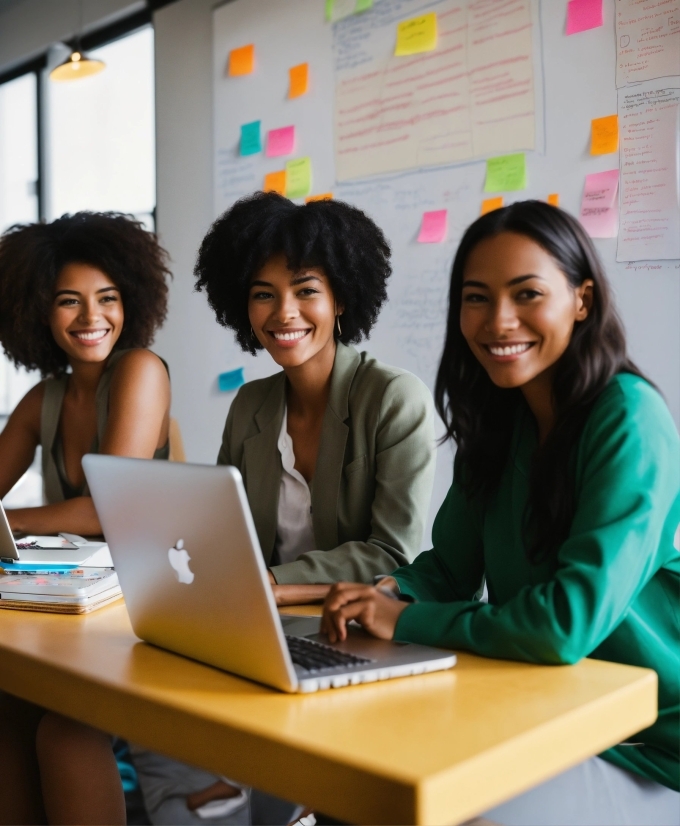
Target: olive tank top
<point>56,483</point>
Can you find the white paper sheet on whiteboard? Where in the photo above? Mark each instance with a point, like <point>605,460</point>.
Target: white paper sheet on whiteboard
<point>471,97</point>
<point>650,199</point>
<point>647,33</point>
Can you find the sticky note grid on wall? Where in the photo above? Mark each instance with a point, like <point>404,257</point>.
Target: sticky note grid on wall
<point>341,72</point>
<point>431,153</point>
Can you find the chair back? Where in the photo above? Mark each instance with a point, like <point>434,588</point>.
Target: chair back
<point>177,453</point>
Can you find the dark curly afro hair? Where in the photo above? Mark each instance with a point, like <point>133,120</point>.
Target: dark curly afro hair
<point>31,257</point>
<point>339,238</point>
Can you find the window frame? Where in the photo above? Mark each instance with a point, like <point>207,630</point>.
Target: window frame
<point>38,66</point>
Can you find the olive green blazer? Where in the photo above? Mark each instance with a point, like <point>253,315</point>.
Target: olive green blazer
<point>374,471</point>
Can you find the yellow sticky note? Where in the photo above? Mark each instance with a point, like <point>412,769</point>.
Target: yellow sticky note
<point>604,135</point>
<point>298,178</point>
<point>325,196</point>
<point>489,204</point>
<point>298,80</point>
<point>242,60</point>
<point>554,199</point>
<point>275,182</point>
<point>416,35</point>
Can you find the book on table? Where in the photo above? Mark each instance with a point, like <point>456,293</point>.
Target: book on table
<point>66,591</point>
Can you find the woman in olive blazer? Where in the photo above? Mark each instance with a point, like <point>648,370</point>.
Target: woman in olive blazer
<point>336,451</point>
<point>374,470</point>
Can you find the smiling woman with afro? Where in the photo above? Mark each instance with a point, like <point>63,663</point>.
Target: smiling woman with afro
<point>80,300</point>
<point>336,449</point>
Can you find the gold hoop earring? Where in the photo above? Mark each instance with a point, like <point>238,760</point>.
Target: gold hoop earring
<point>337,321</point>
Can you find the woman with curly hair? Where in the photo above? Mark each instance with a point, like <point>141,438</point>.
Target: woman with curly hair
<point>80,301</point>
<point>336,450</point>
<point>565,501</point>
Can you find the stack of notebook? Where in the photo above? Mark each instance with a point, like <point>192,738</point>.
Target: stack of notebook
<point>65,589</point>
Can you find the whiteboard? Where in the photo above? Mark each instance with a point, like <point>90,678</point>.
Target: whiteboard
<point>574,82</point>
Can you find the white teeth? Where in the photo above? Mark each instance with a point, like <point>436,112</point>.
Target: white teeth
<point>91,336</point>
<point>513,350</point>
<point>290,336</point>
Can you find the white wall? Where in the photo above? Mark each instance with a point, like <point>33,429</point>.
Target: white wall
<point>198,350</point>
<point>190,340</point>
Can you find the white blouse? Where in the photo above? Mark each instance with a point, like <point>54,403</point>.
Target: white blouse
<point>294,531</point>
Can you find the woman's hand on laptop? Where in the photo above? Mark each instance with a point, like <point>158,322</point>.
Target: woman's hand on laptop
<point>371,606</point>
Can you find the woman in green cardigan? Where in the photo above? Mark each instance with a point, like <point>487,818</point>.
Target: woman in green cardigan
<point>336,450</point>
<point>565,501</point>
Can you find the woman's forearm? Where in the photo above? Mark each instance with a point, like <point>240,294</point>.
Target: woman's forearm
<point>300,594</point>
<point>74,516</point>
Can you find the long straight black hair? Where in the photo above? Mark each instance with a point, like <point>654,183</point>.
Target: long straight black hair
<point>480,417</point>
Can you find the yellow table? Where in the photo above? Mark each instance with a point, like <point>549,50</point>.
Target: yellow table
<point>437,748</point>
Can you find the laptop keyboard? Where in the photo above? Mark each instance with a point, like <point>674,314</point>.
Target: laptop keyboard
<point>315,656</point>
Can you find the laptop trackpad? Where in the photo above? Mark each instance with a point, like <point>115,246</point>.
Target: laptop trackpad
<point>300,626</point>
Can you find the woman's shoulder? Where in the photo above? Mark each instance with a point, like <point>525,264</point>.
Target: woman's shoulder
<point>137,359</point>
<point>30,406</point>
<point>134,368</point>
<point>630,404</point>
<point>376,379</point>
<point>253,394</point>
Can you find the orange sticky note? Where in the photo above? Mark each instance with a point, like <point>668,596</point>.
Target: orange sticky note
<point>604,135</point>
<point>489,204</point>
<point>242,60</point>
<point>275,182</point>
<point>299,80</point>
<point>554,199</point>
<point>325,196</point>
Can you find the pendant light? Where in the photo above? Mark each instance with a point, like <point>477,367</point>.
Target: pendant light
<point>77,64</point>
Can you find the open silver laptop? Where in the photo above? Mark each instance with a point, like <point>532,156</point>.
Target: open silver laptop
<point>65,549</point>
<point>194,580</point>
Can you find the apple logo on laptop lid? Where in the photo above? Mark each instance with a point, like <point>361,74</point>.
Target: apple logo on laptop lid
<point>179,560</point>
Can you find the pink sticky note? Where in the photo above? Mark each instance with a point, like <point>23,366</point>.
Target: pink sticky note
<point>280,141</point>
<point>583,15</point>
<point>433,228</point>
<point>600,204</point>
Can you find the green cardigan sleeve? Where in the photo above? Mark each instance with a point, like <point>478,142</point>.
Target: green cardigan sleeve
<point>628,508</point>
<point>459,575</point>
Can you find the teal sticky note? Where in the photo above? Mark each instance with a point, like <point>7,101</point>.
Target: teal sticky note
<point>232,380</point>
<point>251,143</point>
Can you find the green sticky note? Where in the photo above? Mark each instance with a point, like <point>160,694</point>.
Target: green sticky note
<point>339,9</point>
<point>251,143</point>
<point>298,178</point>
<point>507,173</point>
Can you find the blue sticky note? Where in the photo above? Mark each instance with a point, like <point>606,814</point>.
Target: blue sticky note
<point>231,380</point>
<point>251,142</point>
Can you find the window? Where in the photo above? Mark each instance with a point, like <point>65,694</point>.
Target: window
<point>18,194</point>
<point>19,150</point>
<point>101,142</point>
<point>18,204</point>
